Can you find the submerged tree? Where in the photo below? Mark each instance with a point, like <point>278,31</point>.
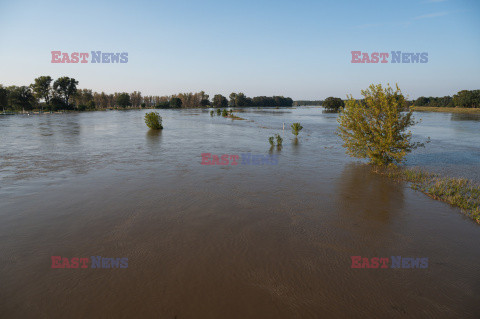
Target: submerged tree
<point>153,120</point>
<point>375,127</point>
<point>296,128</point>
<point>333,104</point>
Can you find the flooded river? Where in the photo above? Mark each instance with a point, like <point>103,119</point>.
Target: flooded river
<point>234,241</point>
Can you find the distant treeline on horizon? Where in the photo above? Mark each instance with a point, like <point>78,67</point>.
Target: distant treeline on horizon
<point>464,98</point>
<point>63,94</point>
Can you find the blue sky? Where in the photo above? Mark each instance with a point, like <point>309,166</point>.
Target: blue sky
<point>297,48</point>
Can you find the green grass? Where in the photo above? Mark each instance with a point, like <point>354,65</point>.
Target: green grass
<point>446,109</point>
<point>458,192</point>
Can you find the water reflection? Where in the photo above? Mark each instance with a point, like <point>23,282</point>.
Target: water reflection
<point>363,194</point>
<point>465,117</point>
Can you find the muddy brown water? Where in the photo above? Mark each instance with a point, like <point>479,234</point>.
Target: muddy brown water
<point>245,241</point>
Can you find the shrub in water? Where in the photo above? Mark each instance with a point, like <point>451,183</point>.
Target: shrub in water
<point>270,140</point>
<point>374,127</point>
<point>224,112</point>
<point>219,112</point>
<point>296,128</point>
<point>279,139</point>
<point>153,120</point>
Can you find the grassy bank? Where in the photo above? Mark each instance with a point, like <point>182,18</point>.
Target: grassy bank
<point>446,109</point>
<point>458,192</point>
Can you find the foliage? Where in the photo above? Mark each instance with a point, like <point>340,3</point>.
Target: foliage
<point>219,112</point>
<point>3,97</point>
<point>225,113</point>
<point>445,101</point>
<point>153,120</point>
<point>467,98</point>
<point>333,104</point>
<point>41,88</point>
<point>65,87</point>
<point>123,100</point>
<point>458,192</point>
<point>219,101</point>
<point>21,98</point>
<point>175,103</point>
<point>279,139</point>
<point>375,127</point>
<point>307,103</point>
<point>271,140</point>
<point>212,113</point>
<point>296,128</point>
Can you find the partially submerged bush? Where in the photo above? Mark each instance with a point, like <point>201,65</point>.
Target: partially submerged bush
<point>153,120</point>
<point>296,128</point>
<point>279,139</point>
<point>225,113</point>
<point>219,111</point>
<point>374,128</point>
<point>271,141</point>
<point>333,104</point>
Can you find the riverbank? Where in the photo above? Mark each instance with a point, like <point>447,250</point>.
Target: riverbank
<point>446,109</point>
<point>458,192</point>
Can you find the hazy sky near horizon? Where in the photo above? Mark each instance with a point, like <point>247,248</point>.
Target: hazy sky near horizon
<point>297,48</point>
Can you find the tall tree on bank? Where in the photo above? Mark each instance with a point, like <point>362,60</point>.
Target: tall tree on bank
<point>3,97</point>
<point>123,100</point>
<point>65,87</point>
<point>21,98</point>
<point>219,101</point>
<point>41,89</point>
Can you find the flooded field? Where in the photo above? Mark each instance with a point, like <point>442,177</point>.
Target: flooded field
<point>244,241</point>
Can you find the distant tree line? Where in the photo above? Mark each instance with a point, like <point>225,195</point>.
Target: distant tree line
<point>307,103</point>
<point>464,98</point>
<point>63,94</point>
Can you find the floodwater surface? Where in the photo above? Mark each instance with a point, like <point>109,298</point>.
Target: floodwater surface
<point>234,241</point>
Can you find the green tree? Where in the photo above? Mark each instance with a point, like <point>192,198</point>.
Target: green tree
<point>219,101</point>
<point>3,97</point>
<point>153,120</point>
<point>296,128</point>
<point>65,87</point>
<point>21,97</point>
<point>175,103</point>
<point>374,128</point>
<point>123,100</point>
<point>41,89</point>
<point>232,98</point>
<point>467,98</point>
<point>333,104</point>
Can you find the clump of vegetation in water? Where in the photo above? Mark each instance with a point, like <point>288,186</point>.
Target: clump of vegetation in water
<point>271,140</point>
<point>224,113</point>
<point>296,128</point>
<point>279,139</point>
<point>333,104</point>
<point>458,192</point>
<point>219,111</point>
<point>153,120</point>
<point>212,113</point>
<point>375,127</point>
